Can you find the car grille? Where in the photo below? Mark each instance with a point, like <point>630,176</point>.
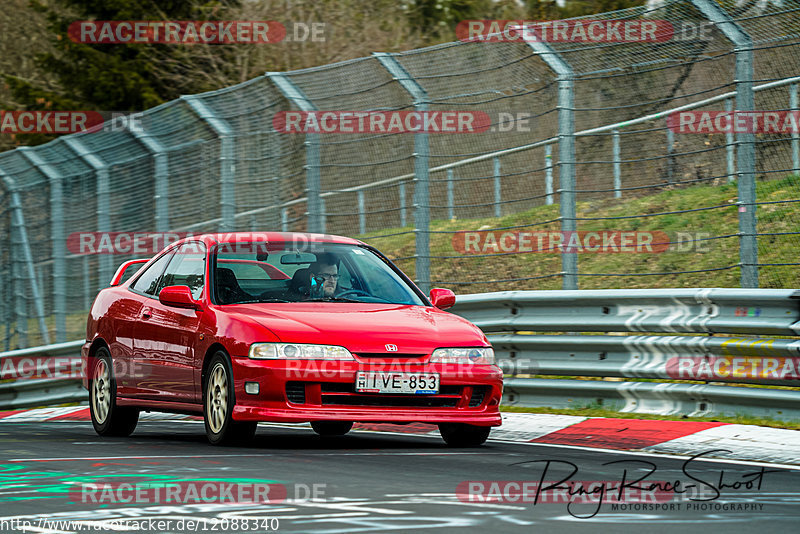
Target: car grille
<point>478,394</point>
<point>390,355</point>
<point>344,394</point>
<point>410,401</point>
<point>296,392</point>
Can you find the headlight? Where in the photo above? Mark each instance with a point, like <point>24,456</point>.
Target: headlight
<point>467,355</point>
<point>297,351</point>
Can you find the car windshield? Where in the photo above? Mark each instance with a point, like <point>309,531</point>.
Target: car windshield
<point>283,272</point>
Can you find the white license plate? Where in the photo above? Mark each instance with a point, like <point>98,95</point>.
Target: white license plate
<point>415,383</point>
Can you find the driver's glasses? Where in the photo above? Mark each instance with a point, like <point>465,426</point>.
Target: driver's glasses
<point>328,277</point>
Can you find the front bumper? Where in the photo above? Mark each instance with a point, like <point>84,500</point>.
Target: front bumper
<point>300,391</point>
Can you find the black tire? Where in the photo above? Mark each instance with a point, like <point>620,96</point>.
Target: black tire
<point>332,428</point>
<point>108,419</point>
<point>218,403</point>
<point>463,435</point>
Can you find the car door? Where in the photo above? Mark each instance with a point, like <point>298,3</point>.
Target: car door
<point>165,337</point>
<point>127,314</point>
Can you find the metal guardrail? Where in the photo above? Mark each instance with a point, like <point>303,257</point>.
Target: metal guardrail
<point>687,351</point>
<point>27,393</point>
<point>682,347</point>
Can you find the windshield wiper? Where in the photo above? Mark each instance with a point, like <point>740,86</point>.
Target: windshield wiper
<point>332,299</point>
<point>259,300</point>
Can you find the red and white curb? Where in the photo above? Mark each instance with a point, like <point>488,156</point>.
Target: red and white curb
<point>729,441</point>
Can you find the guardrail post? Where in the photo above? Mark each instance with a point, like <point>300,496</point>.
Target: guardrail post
<point>103,201</point>
<point>794,106</point>
<point>746,149</point>
<point>497,188</point>
<point>284,220</point>
<point>451,209</point>
<point>24,257</point>
<point>616,159</point>
<point>58,239</point>
<point>730,146</point>
<point>227,170</point>
<point>566,153</point>
<point>548,174</point>
<point>422,212</point>
<point>312,166</point>
<point>160,176</point>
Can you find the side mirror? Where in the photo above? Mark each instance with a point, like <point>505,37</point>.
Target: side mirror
<point>178,297</point>
<point>118,276</point>
<point>442,298</point>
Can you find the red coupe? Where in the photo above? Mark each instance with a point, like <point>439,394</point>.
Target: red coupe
<point>284,327</point>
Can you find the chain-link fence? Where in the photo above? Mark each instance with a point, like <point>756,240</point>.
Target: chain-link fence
<point>580,144</point>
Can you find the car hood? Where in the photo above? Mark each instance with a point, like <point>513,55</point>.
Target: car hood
<point>365,327</point>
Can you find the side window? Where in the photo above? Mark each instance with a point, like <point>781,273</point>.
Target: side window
<point>187,268</point>
<point>149,280</point>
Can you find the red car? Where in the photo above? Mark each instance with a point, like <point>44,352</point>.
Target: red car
<point>284,327</point>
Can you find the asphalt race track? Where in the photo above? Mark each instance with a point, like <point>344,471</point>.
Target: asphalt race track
<point>364,482</point>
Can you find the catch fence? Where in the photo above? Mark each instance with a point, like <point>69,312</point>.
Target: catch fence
<point>579,142</point>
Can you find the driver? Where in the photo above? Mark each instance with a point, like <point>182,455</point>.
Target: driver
<point>324,275</point>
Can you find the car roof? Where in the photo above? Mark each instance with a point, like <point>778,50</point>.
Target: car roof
<point>211,239</point>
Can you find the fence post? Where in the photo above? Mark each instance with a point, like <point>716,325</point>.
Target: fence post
<point>284,220</point>
<point>226,156</point>
<point>20,309</point>
<point>616,158</point>
<point>566,154</point>
<point>312,167</point>
<point>160,175</point>
<point>362,217</point>
<point>670,155</point>
<point>548,174</point>
<point>497,188</point>
<point>23,257</point>
<point>4,311</point>
<point>87,299</point>
<point>58,239</point>
<point>402,194</point>
<point>103,219</point>
<point>422,214</point>
<point>730,145</point>
<point>746,148</point>
<point>795,106</point>
<point>451,208</point>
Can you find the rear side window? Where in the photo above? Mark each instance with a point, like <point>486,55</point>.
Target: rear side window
<point>148,282</point>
